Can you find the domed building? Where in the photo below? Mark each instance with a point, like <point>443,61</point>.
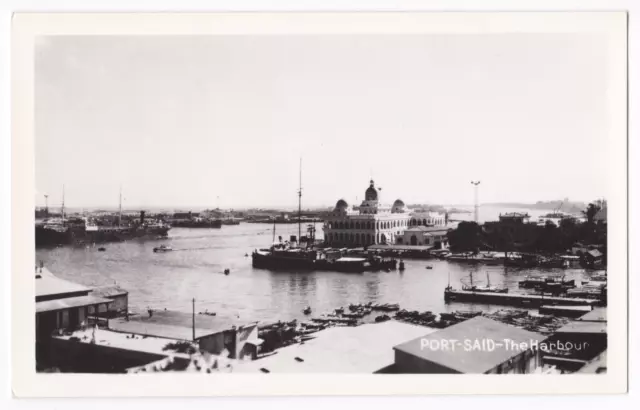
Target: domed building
<point>371,223</point>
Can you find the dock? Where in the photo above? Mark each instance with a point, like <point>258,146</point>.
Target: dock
<point>514,299</point>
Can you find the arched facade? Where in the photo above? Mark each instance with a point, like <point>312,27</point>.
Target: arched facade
<point>370,223</point>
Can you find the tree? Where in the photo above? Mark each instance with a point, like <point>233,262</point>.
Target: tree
<point>466,237</point>
<point>591,211</point>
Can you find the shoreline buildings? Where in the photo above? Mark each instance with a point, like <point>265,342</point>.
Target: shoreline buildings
<point>373,222</point>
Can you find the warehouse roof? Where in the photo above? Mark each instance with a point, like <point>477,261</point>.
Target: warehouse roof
<point>472,352</point>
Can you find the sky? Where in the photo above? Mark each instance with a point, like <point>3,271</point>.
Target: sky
<point>206,121</point>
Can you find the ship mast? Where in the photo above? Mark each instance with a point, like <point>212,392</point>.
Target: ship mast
<point>300,205</point>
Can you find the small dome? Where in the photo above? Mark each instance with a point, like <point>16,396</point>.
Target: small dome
<point>342,204</point>
<point>371,194</point>
<point>398,203</point>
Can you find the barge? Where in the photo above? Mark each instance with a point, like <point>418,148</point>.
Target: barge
<point>513,299</point>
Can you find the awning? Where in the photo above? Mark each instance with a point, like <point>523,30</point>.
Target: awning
<point>68,303</point>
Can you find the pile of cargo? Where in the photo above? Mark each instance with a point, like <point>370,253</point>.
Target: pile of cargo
<point>545,325</point>
<point>426,318</point>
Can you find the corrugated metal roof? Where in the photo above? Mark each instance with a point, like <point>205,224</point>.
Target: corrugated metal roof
<point>67,303</point>
<point>470,333</point>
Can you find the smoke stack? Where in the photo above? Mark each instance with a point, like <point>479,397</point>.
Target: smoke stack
<point>141,217</point>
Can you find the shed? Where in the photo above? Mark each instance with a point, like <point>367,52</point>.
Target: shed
<point>478,345</point>
<point>118,295</point>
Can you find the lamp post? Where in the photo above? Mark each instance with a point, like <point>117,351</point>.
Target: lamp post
<point>475,199</point>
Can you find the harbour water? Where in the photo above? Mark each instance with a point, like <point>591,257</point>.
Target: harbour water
<point>195,270</point>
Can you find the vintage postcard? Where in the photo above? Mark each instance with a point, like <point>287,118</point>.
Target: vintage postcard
<point>319,203</point>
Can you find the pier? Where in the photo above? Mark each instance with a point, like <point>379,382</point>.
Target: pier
<point>514,299</point>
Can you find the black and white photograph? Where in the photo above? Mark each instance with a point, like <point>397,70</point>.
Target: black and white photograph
<point>357,202</point>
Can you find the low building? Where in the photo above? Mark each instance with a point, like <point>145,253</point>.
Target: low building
<point>62,305</point>
<point>366,348</point>
<point>514,217</point>
<point>146,342</point>
<point>119,297</point>
<point>428,218</point>
<point>476,346</point>
<point>213,334</point>
<point>435,237</point>
<point>579,342</point>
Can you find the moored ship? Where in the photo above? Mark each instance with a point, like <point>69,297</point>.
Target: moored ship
<point>83,230</point>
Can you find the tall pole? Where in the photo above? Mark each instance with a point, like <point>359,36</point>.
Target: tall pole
<point>62,207</point>
<point>193,319</point>
<point>46,205</point>
<point>300,205</point>
<point>475,199</point>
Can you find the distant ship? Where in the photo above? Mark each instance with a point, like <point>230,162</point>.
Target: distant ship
<point>83,230</point>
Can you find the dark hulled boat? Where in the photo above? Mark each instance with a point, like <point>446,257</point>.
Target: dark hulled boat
<point>82,230</point>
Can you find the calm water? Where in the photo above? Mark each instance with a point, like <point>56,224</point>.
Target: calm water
<point>194,270</point>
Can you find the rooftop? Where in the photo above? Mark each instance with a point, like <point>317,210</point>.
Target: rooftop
<point>473,331</point>
<point>67,303</point>
<point>174,325</point>
<point>109,291</point>
<point>361,349</point>
<point>103,337</point>
<point>596,315</point>
<point>597,365</point>
<point>48,285</point>
<point>583,327</point>
<point>428,229</point>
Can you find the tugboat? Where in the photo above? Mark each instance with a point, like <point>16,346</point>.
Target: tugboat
<point>162,249</point>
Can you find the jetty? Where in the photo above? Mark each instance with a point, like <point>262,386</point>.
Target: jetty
<point>514,299</point>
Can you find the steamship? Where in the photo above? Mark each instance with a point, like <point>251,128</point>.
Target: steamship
<point>83,230</point>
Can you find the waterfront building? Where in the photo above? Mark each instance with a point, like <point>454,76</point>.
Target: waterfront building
<point>579,342</point>
<point>514,217</point>
<point>62,305</point>
<point>119,297</point>
<point>432,236</point>
<point>143,341</point>
<point>373,222</point>
<point>483,349</point>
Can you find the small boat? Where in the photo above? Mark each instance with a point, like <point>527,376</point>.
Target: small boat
<point>307,310</point>
<point>429,267</point>
<point>102,249</point>
<point>162,248</point>
<point>401,266</point>
<point>227,271</point>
